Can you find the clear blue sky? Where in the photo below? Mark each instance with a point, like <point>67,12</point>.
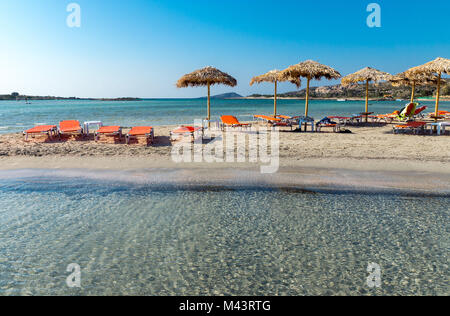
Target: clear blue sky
<point>140,48</point>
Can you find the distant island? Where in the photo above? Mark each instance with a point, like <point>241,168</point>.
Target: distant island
<point>223,96</point>
<point>15,96</point>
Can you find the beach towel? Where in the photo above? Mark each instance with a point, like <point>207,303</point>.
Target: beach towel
<point>325,120</point>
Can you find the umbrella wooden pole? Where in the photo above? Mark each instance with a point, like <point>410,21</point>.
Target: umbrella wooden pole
<point>437,96</point>
<point>209,105</point>
<point>413,92</point>
<point>307,98</point>
<point>275,100</point>
<point>367,100</point>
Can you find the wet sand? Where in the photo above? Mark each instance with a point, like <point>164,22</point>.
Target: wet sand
<point>369,157</point>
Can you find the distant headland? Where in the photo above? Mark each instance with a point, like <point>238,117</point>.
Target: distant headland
<point>230,95</point>
<point>379,91</point>
<point>15,96</point>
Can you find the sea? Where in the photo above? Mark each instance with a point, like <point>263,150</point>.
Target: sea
<point>19,116</point>
<point>118,234</point>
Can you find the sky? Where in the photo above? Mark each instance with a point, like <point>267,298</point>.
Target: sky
<point>140,48</point>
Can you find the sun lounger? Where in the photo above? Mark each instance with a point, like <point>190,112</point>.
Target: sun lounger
<point>141,132</point>
<point>111,131</point>
<point>284,117</point>
<point>343,120</point>
<point>305,121</point>
<point>418,113</point>
<point>185,130</point>
<point>288,119</point>
<point>49,130</point>
<point>357,118</point>
<point>266,118</point>
<point>336,127</point>
<point>70,128</point>
<point>416,127</point>
<point>439,127</point>
<point>327,122</point>
<point>273,121</point>
<point>388,118</point>
<point>232,121</point>
<point>442,113</point>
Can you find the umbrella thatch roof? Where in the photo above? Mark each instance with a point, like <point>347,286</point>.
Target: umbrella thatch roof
<point>274,76</point>
<point>439,65</point>
<point>409,79</point>
<point>205,76</point>
<point>310,69</point>
<point>366,74</point>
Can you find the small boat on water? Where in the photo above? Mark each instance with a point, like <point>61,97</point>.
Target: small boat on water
<point>341,100</point>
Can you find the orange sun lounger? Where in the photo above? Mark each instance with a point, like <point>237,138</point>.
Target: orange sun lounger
<point>414,126</point>
<point>185,130</point>
<point>49,130</point>
<point>109,131</point>
<point>388,118</point>
<point>269,119</point>
<point>419,111</point>
<point>336,127</point>
<point>275,121</point>
<point>232,121</point>
<point>70,128</point>
<point>442,113</point>
<point>288,119</point>
<point>141,131</point>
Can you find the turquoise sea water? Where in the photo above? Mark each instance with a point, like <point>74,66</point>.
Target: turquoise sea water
<point>150,239</point>
<point>18,116</point>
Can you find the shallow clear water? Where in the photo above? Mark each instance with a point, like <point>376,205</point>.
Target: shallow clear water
<point>18,116</point>
<point>153,240</point>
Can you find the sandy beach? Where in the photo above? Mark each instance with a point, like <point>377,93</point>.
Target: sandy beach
<point>321,158</point>
<point>376,144</point>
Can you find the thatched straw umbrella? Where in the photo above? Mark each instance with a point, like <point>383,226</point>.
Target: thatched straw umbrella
<point>413,80</point>
<point>367,74</point>
<point>310,70</point>
<point>274,77</point>
<point>438,66</point>
<point>206,77</point>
